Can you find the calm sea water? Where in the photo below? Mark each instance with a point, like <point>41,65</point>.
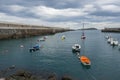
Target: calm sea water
<point>56,55</point>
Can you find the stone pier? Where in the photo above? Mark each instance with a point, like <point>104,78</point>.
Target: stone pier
<point>11,30</point>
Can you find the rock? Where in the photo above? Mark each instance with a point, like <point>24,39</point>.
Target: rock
<point>9,78</point>
<point>2,79</point>
<point>19,78</point>
<point>33,77</point>
<point>20,73</point>
<point>23,73</point>
<point>15,78</point>
<point>66,78</point>
<point>27,74</point>
<point>52,77</point>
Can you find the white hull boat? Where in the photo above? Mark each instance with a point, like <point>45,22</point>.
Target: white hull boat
<point>114,43</point>
<point>76,47</point>
<point>110,40</point>
<point>107,37</point>
<point>63,37</point>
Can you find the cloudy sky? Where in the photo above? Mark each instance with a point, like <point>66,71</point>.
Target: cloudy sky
<point>62,13</point>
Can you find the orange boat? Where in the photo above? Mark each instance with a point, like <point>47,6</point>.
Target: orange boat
<point>85,60</point>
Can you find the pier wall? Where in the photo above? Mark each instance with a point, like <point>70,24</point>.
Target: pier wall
<point>10,31</point>
<point>111,30</point>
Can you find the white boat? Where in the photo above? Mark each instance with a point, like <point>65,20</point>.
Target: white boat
<point>114,42</point>
<point>41,39</point>
<point>107,37</point>
<point>110,40</point>
<point>21,46</point>
<point>76,48</point>
<point>45,37</point>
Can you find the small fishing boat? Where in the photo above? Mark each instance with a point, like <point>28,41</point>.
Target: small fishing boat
<point>110,40</point>
<point>83,36</point>
<point>114,43</point>
<point>42,39</point>
<point>34,48</point>
<point>63,37</point>
<point>107,37</point>
<point>76,48</point>
<point>21,46</point>
<point>85,60</point>
<point>45,37</point>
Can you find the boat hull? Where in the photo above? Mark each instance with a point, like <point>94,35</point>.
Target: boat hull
<point>85,61</point>
<point>86,64</point>
<point>76,48</point>
<point>35,48</point>
<point>83,37</point>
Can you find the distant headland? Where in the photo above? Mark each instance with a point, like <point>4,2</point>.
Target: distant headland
<point>88,29</point>
<point>117,30</point>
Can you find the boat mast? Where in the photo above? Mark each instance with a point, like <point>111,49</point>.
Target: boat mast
<point>83,30</point>
<point>83,35</point>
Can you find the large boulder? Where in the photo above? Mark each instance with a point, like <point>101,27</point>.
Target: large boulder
<point>20,73</point>
<point>52,77</point>
<point>66,78</point>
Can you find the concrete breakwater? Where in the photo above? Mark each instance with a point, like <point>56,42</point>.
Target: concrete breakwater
<point>9,30</point>
<point>111,30</point>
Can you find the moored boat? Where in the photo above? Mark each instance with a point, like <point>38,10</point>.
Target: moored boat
<point>114,43</point>
<point>76,48</point>
<point>35,48</point>
<point>83,36</point>
<point>42,39</point>
<point>85,60</point>
<point>63,37</point>
<point>110,40</point>
<point>107,37</point>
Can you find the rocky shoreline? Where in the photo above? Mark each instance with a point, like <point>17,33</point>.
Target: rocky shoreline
<point>27,75</point>
<point>117,30</point>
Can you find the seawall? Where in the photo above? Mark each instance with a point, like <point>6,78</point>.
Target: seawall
<point>117,30</point>
<point>13,31</point>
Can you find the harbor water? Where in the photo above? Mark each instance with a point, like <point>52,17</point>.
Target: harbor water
<point>56,56</point>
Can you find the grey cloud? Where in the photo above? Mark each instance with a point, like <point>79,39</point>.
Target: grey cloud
<point>105,13</point>
<point>91,16</point>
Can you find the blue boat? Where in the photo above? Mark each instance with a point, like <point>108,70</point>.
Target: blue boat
<point>34,48</point>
